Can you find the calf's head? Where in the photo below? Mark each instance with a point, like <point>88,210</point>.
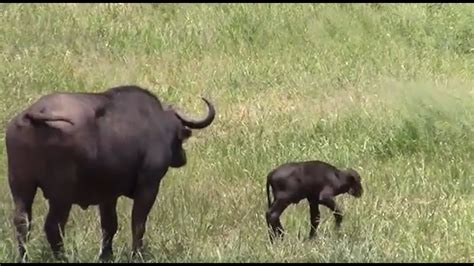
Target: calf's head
<point>353,182</point>
<point>183,131</point>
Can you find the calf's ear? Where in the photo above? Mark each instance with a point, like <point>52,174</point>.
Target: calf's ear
<point>351,176</point>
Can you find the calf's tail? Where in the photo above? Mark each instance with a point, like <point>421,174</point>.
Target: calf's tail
<point>269,200</point>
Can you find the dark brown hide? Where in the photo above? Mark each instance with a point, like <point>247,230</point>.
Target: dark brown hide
<point>89,149</point>
<point>316,181</point>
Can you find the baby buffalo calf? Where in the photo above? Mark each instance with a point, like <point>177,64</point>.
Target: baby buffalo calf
<point>316,181</point>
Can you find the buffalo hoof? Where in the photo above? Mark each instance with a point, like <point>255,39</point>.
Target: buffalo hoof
<point>105,256</point>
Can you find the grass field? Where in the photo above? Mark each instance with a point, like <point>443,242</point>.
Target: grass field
<point>387,89</point>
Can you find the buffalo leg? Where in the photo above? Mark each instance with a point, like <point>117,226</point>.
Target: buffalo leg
<point>273,218</point>
<point>314,217</point>
<point>54,226</point>
<point>108,220</point>
<point>23,197</point>
<point>145,196</point>
<point>331,204</point>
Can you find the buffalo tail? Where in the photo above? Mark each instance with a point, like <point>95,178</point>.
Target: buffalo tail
<point>39,117</point>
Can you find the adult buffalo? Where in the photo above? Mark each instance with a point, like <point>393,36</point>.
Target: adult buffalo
<point>90,149</point>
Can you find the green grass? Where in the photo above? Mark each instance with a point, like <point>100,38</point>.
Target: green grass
<point>384,88</point>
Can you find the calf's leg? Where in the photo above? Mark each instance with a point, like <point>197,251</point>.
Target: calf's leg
<point>273,217</point>
<point>331,204</point>
<point>108,219</point>
<point>314,217</point>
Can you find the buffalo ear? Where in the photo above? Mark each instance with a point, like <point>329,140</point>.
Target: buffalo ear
<point>186,133</point>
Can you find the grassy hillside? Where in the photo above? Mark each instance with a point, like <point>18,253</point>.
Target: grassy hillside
<point>384,88</point>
